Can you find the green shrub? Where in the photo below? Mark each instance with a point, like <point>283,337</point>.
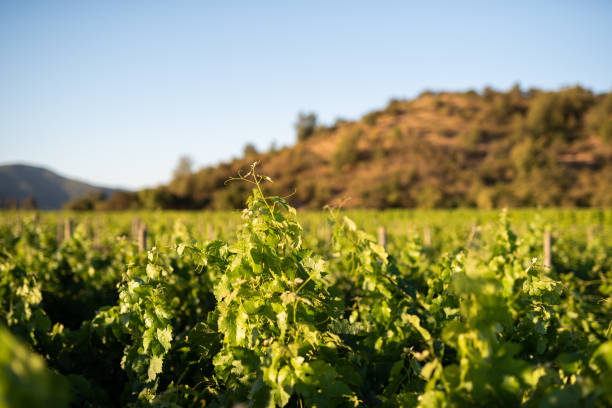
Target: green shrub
<point>502,108</point>
<point>559,112</point>
<point>394,108</point>
<point>347,152</point>
<point>472,136</point>
<point>370,118</point>
<point>489,94</point>
<point>87,202</point>
<point>605,130</point>
<point>544,114</point>
<point>120,201</point>
<point>387,193</point>
<point>250,150</point>
<point>599,119</point>
<point>397,135</point>
<point>155,198</point>
<point>305,126</point>
<point>231,197</point>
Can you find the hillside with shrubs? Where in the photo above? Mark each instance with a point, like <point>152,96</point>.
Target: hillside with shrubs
<point>520,148</point>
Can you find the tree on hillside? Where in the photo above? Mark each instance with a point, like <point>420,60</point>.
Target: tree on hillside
<point>10,204</point>
<point>599,118</point>
<point>183,168</point>
<point>29,203</point>
<point>559,112</point>
<point>249,150</point>
<point>87,202</point>
<point>121,201</point>
<point>305,125</point>
<point>347,152</point>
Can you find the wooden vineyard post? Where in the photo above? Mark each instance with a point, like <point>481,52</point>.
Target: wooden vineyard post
<point>142,237</point>
<point>135,227</point>
<point>18,226</point>
<point>590,235</point>
<point>210,232</point>
<point>427,237</point>
<point>547,249</point>
<point>382,237</point>
<point>60,230</point>
<point>96,239</point>
<point>200,227</point>
<point>473,233</point>
<point>324,232</point>
<point>89,227</point>
<point>96,232</point>
<point>67,229</point>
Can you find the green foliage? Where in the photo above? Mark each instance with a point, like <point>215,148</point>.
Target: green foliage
<point>316,194</point>
<point>86,203</point>
<point>508,322</point>
<point>154,198</point>
<point>29,203</point>
<point>120,201</point>
<point>146,316</point>
<point>232,197</point>
<point>386,194</point>
<point>25,381</point>
<point>394,108</point>
<point>383,318</point>
<point>276,313</point>
<point>249,150</point>
<point>370,118</point>
<point>544,114</point>
<point>559,113</point>
<point>605,130</point>
<point>305,126</point>
<point>183,168</point>
<point>473,136</point>
<point>502,107</point>
<point>347,151</point>
<point>274,308</point>
<point>20,307</point>
<point>599,118</point>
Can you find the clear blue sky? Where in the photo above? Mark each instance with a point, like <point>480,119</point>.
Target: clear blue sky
<point>113,92</point>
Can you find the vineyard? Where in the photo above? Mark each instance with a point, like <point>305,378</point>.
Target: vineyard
<point>271,308</point>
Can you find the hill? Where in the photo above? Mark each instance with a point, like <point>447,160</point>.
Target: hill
<point>20,182</point>
<point>491,149</point>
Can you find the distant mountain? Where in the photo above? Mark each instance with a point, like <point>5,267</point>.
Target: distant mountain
<point>51,191</point>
